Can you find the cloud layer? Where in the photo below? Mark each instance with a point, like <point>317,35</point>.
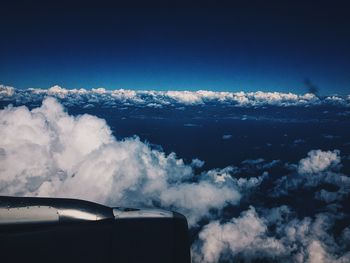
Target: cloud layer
<point>151,98</point>
<point>240,213</point>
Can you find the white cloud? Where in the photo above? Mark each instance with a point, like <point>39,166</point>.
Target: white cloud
<point>274,236</point>
<point>185,97</point>
<point>318,161</point>
<point>6,91</point>
<point>57,90</point>
<point>244,236</point>
<point>315,170</point>
<point>152,97</point>
<point>49,153</point>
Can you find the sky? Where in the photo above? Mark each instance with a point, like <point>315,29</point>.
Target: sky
<point>175,45</point>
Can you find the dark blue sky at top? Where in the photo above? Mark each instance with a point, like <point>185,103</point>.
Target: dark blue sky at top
<point>216,45</point>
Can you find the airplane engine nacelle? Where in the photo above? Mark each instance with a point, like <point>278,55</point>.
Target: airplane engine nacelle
<point>70,230</point>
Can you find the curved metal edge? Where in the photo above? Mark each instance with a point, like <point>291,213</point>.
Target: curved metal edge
<point>30,210</point>
<point>38,210</point>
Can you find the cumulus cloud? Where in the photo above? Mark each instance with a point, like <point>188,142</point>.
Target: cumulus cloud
<point>47,152</point>
<point>317,169</point>
<point>318,161</point>
<point>273,236</point>
<point>243,237</point>
<point>6,91</point>
<point>157,99</point>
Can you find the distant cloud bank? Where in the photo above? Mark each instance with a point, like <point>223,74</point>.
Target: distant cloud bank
<point>158,99</point>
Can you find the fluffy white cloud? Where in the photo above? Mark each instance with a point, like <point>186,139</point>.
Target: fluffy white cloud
<point>6,91</point>
<point>185,97</point>
<point>311,240</point>
<point>316,170</point>
<point>318,161</point>
<point>247,238</point>
<point>49,153</point>
<point>244,236</point>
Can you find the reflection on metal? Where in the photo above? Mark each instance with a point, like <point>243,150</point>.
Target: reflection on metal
<point>29,214</point>
<point>128,213</point>
<point>75,214</point>
<point>32,210</point>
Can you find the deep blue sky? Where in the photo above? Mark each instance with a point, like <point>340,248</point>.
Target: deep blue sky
<point>216,45</point>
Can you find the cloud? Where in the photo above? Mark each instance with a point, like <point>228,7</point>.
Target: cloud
<point>274,236</point>
<point>197,163</point>
<point>185,97</point>
<point>315,170</point>
<point>327,196</point>
<point>226,136</point>
<point>243,237</point>
<point>191,125</point>
<point>330,136</point>
<point>298,141</point>
<point>6,91</point>
<point>318,161</point>
<point>47,152</point>
<point>151,98</point>
<point>238,213</point>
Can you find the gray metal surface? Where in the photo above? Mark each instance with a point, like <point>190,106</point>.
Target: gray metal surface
<point>31,210</point>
